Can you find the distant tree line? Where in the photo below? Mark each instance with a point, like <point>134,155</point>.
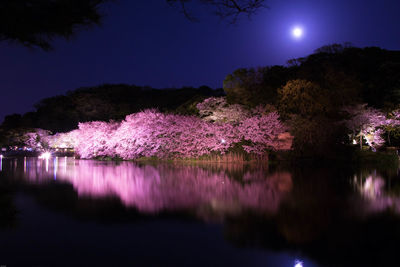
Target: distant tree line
<point>338,96</point>
<point>62,113</point>
<point>345,74</point>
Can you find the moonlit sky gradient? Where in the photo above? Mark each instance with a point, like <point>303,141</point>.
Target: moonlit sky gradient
<point>149,43</point>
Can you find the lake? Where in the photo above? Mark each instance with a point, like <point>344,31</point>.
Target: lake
<point>70,212</point>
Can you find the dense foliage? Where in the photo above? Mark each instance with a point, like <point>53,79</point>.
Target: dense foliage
<point>367,75</point>
<point>311,94</point>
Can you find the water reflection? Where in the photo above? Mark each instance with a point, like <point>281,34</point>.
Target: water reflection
<point>329,219</point>
<point>8,211</point>
<point>209,192</point>
<point>335,215</point>
<point>377,192</point>
<point>370,187</point>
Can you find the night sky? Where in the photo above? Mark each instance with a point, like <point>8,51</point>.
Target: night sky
<point>149,43</point>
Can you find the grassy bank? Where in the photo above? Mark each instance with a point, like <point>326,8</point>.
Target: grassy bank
<point>386,159</point>
<point>232,157</point>
<point>352,156</point>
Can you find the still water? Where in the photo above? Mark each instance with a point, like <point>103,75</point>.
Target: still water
<point>68,212</point>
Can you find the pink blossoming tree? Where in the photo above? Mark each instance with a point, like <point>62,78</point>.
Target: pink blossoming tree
<point>262,131</point>
<point>38,139</point>
<point>93,139</point>
<point>151,133</point>
<point>368,123</point>
<point>216,109</point>
<point>64,140</point>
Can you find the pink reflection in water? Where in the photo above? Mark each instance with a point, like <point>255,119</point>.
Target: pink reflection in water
<point>376,197</point>
<point>169,187</point>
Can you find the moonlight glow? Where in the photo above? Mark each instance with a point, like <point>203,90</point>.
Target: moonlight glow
<point>297,32</point>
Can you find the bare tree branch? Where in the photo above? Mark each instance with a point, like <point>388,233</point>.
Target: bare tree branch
<point>226,9</point>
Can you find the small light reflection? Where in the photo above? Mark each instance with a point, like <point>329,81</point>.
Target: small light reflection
<point>24,164</point>
<point>55,167</point>
<point>65,164</point>
<point>45,155</point>
<point>1,163</point>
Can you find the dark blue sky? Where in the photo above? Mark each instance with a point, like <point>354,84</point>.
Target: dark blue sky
<point>146,42</point>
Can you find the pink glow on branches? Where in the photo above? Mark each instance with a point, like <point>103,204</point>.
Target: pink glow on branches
<point>154,134</point>
<point>37,139</point>
<point>216,109</point>
<point>63,140</point>
<point>262,131</point>
<point>93,139</point>
<point>368,123</point>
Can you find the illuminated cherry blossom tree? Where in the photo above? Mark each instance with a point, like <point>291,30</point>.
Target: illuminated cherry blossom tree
<point>368,123</point>
<point>93,139</point>
<point>37,139</point>
<point>153,134</point>
<point>63,140</point>
<point>262,131</point>
<point>216,109</point>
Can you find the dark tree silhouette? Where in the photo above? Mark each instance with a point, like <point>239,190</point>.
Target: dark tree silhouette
<point>35,23</point>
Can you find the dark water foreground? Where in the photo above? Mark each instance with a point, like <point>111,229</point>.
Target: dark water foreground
<point>67,212</point>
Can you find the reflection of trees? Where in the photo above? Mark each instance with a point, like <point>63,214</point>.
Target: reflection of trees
<point>309,210</point>
<point>378,194</point>
<point>318,213</point>
<point>8,212</point>
<point>61,197</point>
<point>324,219</point>
<point>210,193</point>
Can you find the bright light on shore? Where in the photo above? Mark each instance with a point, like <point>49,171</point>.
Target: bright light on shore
<point>298,264</point>
<point>45,155</point>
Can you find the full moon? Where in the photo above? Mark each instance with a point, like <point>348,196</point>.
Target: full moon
<point>297,32</point>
